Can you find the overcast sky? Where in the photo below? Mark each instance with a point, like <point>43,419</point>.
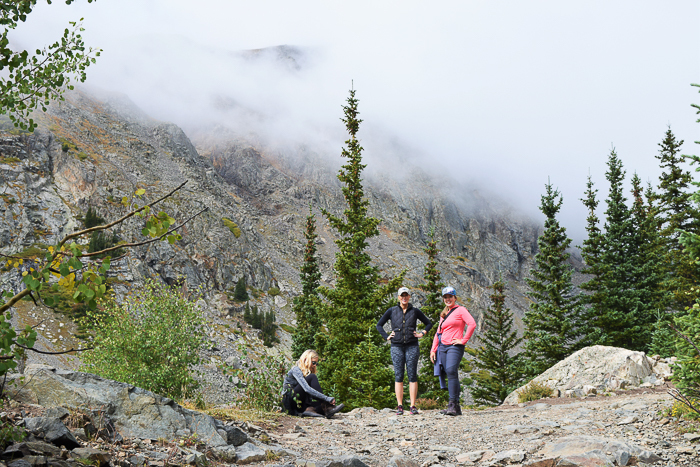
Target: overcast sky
<point>508,93</point>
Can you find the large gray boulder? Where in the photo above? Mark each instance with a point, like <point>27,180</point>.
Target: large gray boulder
<point>612,451</point>
<point>605,368</point>
<point>135,412</point>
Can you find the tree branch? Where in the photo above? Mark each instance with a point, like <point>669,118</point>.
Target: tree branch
<point>686,338</point>
<point>145,242</point>
<point>126,216</point>
<point>53,353</point>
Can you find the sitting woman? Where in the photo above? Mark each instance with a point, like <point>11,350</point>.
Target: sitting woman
<point>302,391</point>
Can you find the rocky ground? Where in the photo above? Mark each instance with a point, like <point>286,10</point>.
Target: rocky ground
<point>631,428</point>
<point>73,418</point>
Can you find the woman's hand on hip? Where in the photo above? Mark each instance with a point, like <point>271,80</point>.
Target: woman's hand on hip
<point>432,357</point>
<point>418,334</point>
<point>457,341</point>
<point>390,336</point>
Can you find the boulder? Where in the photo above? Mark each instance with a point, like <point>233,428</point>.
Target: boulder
<point>234,435</point>
<point>248,453</point>
<point>31,448</point>
<point>52,430</point>
<point>605,450</point>
<point>135,412</point>
<point>598,366</point>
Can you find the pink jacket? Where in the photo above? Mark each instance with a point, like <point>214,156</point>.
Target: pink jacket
<point>453,327</point>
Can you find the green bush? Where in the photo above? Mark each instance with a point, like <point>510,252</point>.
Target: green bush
<point>273,291</point>
<point>534,391</point>
<point>260,382</point>
<point>150,340</point>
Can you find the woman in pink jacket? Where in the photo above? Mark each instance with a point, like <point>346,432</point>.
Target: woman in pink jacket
<point>448,346</point>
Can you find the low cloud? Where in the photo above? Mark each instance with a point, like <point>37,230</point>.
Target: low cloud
<point>505,95</point>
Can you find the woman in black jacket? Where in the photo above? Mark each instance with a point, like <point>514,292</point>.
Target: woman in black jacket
<point>404,345</point>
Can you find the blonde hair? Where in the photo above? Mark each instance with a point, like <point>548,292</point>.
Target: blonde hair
<point>304,362</point>
<point>444,312</point>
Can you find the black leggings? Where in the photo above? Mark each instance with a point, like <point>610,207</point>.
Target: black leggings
<point>305,399</point>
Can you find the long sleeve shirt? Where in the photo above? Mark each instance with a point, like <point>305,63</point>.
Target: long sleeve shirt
<point>295,376</point>
<point>454,326</point>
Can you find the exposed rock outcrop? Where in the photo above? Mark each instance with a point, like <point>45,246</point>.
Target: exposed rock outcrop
<point>599,369</point>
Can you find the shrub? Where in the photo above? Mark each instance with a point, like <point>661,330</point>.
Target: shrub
<point>150,340</point>
<point>273,291</point>
<point>261,381</point>
<point>534,391</point>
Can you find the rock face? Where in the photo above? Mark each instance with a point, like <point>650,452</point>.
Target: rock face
<point>136,413</point>
<point>597,369</point>
<point>91,152</point>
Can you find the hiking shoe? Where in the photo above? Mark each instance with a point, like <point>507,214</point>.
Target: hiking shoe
<point>310,412</point>
<point>331,410</point>
<point>399,410</point>
<point>414,410</point>
<point>451,409</point>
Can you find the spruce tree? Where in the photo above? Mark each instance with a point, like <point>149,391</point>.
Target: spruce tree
<point>240,293</point>
<point>497,373</point>
<point>618,322</point>
<point>676,212</point>
<point>306,305</point>
<point>428,384</point>
<point>645,262</point>
<point>552,322</point>
<point>358,299</point>
<point>591,252</point>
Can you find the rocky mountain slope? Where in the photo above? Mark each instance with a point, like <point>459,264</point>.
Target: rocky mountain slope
<point>92,151</point>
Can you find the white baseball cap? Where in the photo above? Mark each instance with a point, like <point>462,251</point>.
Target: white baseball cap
<point>404,289</point>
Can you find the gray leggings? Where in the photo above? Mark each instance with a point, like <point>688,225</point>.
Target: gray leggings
<point>405,356</point>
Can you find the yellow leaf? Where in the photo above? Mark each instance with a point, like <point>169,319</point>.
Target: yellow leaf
<point>24,273</point>
<point>140,192</point>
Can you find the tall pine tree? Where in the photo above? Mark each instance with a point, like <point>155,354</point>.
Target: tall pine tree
<point>358,299</point>
<point>645,260</point>
<point>552,323</point>
<point>676,212</point>
<point>619,321</point>
<point>306,306</point>
<point>428,384</point>
<point>591,252</point>
<point>497,372</point>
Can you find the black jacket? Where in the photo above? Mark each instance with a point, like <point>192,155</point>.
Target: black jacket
<point>403,324</point>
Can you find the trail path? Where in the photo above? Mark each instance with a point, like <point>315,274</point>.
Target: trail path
<point>512,435</point>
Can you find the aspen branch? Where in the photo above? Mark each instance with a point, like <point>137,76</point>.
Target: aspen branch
<point>145,242</point>
<point>126,216</point>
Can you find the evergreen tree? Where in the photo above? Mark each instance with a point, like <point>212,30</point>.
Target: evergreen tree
<point>619,321</point>
<point>552,323</point>
<point>240,293</point>
<point>591,252</point>
<point>358,299</point>
<point>256,318</point>
<point>92,219</point>
<point>269,328</point>
<point>676,211</point>
<point>428,384</point>
<point>498,373</point>
<point>247,315</point>
<point>645,261</point>
<point>306,305</point>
